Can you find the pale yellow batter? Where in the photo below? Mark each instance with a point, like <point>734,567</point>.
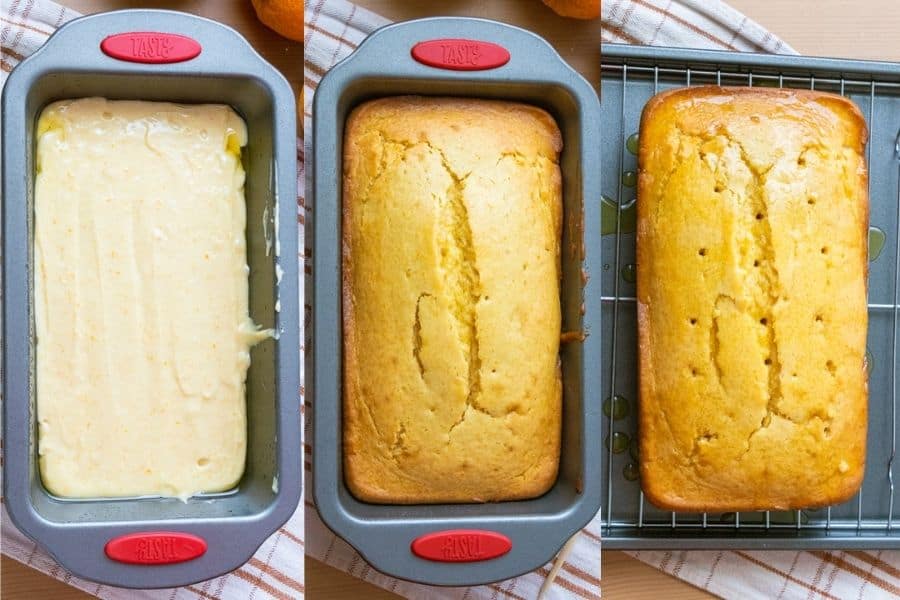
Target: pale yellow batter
<point>141,299</point>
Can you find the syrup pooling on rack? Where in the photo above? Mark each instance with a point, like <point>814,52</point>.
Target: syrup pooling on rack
<point>619,443</point>
<point>616,407</point>
<point>877,238</point>
<point>631,144</point>
<point>609,211</point>
<point>631,472</point>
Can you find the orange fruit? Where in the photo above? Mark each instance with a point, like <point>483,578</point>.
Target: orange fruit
<point>579,9</point>
<point>283,16</point>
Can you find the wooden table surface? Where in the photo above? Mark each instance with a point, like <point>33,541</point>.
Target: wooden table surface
<point>847,28</point>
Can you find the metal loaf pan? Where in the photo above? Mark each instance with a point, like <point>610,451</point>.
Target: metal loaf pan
<point>234,524</point>
<point>630,77</point>
<point>383,66</point>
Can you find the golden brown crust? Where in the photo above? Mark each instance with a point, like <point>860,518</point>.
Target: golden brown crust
<point>452,213</point>
<point>752,258</point>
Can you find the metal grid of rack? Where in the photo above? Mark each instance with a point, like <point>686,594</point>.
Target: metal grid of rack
<point>630,77</point>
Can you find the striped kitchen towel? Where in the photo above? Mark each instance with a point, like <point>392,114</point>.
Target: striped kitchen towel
<point>333,30</point>
<point>276,570</point>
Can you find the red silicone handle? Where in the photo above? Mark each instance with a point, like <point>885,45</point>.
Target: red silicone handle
<point>461,545</point>
<point>150,47</point>
<point>460,55</point>
<point>155,548</point>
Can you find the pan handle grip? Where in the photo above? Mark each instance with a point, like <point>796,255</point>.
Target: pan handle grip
<point>137,41</point>
<point>461,545</point>
<point>457,54</point>
<point>155,547</point>
<point>151,47</point>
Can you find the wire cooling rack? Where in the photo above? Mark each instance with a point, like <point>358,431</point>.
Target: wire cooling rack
<point>630,77</point>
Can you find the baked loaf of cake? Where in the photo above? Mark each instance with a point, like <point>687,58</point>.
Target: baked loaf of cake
<point>752,264</point>
<point>451,309</point>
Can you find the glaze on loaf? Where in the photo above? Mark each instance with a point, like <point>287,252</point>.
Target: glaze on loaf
<point>451,311</point>
<point>752,263</point>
